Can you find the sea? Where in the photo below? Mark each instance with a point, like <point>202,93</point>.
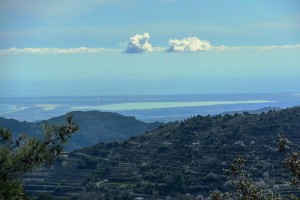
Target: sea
<point>148,108</point>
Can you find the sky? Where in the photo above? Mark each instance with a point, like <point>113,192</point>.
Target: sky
<point>134,47</point>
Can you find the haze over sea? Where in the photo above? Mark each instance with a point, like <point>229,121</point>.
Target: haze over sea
<point>146,108</point>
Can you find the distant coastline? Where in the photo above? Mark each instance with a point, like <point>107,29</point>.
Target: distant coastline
<point>4,108</point>
<point>146,108</point>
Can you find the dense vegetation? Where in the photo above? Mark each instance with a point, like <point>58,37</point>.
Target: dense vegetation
<point>245,188</point>
<point>185,160</point>
<point>95,127</point>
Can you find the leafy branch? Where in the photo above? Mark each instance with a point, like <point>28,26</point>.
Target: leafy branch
<point>25,153</point>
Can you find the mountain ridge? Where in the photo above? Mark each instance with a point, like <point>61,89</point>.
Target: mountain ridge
<point>189,156</point>
<point>95,127</point>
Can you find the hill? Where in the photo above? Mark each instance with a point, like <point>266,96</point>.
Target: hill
<point>181,160</point>
<point>265,109</point>
<point>95,127</point>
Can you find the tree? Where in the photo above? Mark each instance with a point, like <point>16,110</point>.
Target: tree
<point>23,154</point>
<point>292,160</point>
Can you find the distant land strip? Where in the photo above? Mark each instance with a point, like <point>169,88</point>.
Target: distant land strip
<point>160,105</point>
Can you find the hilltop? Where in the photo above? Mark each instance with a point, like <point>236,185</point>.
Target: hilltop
<point>265,109</point>
<point>95,127</point>
<point>183,160</point>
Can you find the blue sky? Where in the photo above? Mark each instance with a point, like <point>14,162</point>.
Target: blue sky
<point>114,47</point>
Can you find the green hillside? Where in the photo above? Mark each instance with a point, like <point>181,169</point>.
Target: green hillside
<point>183,160</point>
<point>95,127</point>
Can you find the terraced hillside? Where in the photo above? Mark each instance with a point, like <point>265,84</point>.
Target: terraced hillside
<point>184,160</point>
<point>189,157</point>
<point>63,178</point>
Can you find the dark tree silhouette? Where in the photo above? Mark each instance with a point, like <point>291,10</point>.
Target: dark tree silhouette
<point>23,154</point>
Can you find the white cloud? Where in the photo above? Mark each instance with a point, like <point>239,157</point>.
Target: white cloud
<point>255,48</point>
<point>79,50</point>
<point>139,44</point>
<point>191,44</point>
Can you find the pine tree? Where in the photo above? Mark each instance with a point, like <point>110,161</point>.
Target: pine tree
<point>22,154</point>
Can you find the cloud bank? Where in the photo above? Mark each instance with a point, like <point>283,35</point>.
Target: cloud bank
<point>191,44</point>
<point>86,50</point>
<point>79,50</point>
<point>256,48</point>
<point>139,44</point>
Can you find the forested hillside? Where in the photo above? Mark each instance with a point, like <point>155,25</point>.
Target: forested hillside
<point>186,159</point>
<point>189,157</point>
<point>95,127</point>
